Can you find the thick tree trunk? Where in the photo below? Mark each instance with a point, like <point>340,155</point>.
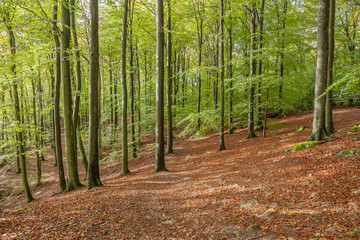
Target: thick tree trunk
<point>222,73</point>
<point>73,176</point>
<point>93,176</point>
<point>251,132</point>
<point>169,84</point>
<point>125,167</point>
<point>159,137</point>
<point>319,132</point>
<point>329,123</point>
<point>58,147</point>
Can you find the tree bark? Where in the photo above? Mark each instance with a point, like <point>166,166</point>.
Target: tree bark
<point>20,136</point>
<point>37,139</point>
<point>132,88</point>
<point>93,176</point>
<point>125,167</point>
<point>251,132</point>
<point>58,147</point>
<point>319,132</point>
<point>259,69</point>
<point>200,42</point>
<point>169,84</point>
<point>230,72</point>
<point>329,123</point>
<point>159,137</point>
<point>78,73</point>
<point>73,176</point>
<point>222,73</point>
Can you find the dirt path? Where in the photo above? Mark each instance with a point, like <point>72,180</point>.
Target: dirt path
<point>256,189</point>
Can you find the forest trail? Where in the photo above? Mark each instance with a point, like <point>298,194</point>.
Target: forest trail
<point>255,189</point>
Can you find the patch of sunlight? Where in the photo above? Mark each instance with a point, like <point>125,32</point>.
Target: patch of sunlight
<point>13,235</point>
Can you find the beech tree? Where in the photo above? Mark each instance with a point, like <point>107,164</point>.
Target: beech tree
<point>20,137</point>
<point>159,132</point>
<point>125,168</point>
<point>94,154</point>
<point>222,76</point>
<point>322,62</point>
<point>70,141</point>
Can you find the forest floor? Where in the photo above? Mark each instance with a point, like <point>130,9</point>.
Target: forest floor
<point>255,189</point>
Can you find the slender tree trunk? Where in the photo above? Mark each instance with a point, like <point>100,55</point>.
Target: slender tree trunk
<point>111,99</point>
<point>73,177</point>
<point>58,147</point>
<point>20,136</point>
<point>41,126</point>
<point>329,123</point>
<point>183,76</point>
<point>125,167</point>
<point>230,71</point>
<point>319,132</point>
<point>115,106</point>
<point>83,155</point>
<point>159,137</point>
<point>37,139</point>
<point>216,80</point>
<point>138,95</point>
<point>52,75</point>
<point>200,42</point>
<point>94,109</point>
<point>282,58</point>
<point>132,90</point>
<point>222,73</point>
<point>251,132</point>
<point>169,84</point>
<point>75,115</point>
<point>145,85</point>
<point>259,69</point>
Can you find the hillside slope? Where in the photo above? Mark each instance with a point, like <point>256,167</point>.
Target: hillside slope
<point>256,188</point>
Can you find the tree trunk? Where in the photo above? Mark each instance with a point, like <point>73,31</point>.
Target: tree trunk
<point>93,176</point>
<point>132,90</point>
<point>20,137</point>
<point>73,177</point>
<point>260,45</point>
<point>329,123</point>
<point>251,132</point>
<point>319,132</point>
<point>169,84</point>
<point>282,59</point>
<point>37,139</point>
<point>222,73</point>
<point>58,147</point>
<point>78,73</point>
<point>230,72</point>
<point>159,137</point>
<point>125,167</point>
<point>200,42</point>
